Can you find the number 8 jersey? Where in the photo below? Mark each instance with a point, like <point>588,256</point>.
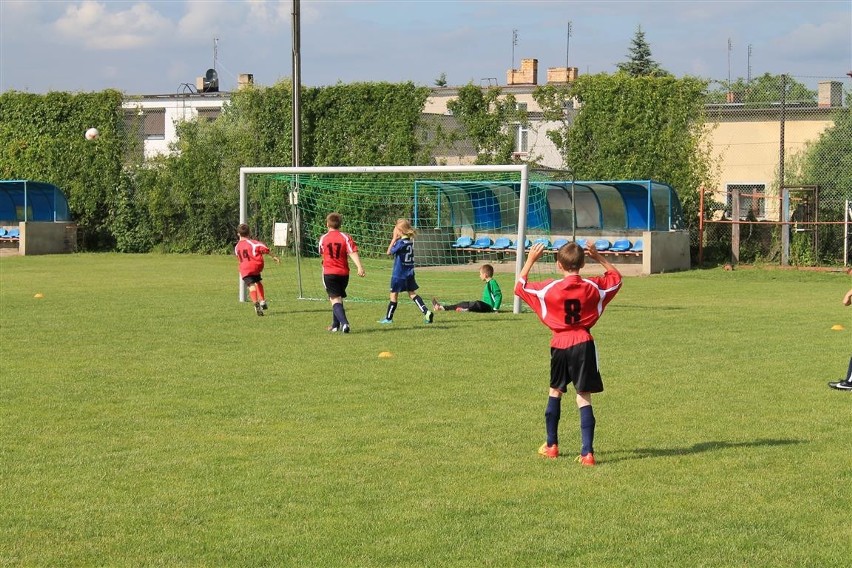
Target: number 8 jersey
<point>570,306</point>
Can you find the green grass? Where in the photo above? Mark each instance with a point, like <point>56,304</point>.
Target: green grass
<point>149,419</point>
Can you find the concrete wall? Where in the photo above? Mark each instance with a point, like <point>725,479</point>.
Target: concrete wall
<point>47,238</point>
<point>665,251</point>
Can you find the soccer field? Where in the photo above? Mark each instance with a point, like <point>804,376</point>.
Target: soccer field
<point>148,418</point>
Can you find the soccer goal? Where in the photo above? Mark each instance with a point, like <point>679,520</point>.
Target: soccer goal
<point>464,216</point>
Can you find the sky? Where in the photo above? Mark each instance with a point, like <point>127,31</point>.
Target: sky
<point>159,46</point>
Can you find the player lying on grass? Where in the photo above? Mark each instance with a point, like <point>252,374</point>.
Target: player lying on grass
<point>570,307</point>
<point>492,296</point>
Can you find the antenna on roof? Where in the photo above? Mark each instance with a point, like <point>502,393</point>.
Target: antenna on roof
<point>567,47</point>
<point>215,51</point>
<point>730,48</point>
<point>514,43</point>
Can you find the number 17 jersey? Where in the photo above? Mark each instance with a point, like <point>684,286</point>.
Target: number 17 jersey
<point>570,306</point>
<point>335,248</point>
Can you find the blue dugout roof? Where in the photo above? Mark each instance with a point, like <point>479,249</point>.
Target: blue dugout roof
<point>615,205</point>
<point>24,200</point>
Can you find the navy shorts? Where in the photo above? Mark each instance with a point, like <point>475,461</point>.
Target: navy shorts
<point>252,279</point>
<point>578,365</point>
<point>403,284</point>
<point>335,284</point>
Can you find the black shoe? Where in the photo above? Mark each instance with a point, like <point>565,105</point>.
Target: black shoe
<point>264,305</point>
<point>345,328</point>
<point>841,385</point>
<point>258,308</point>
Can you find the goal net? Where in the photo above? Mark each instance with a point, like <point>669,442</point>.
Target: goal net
<point>465,216</point>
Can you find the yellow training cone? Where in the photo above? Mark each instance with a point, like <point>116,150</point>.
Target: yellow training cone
<point>385,355</point>
<point>837,327</point>
<point>39,295</point>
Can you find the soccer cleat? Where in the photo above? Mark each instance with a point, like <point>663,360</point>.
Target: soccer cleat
<point>551,452</point>
<point>385,321</point>
<point>345,328</point>
<point>588,459</point>
<point>258,309</point>
<point>264,305</point>
<point>842,385</point>
<point>428,316</point>
<point>332,329</point>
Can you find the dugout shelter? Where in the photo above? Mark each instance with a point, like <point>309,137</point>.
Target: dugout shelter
<point>645,213</point>
<point>35,218</point>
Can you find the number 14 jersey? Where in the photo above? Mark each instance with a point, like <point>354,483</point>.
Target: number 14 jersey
<point>570,306</point>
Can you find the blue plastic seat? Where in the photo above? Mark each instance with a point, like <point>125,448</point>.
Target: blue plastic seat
<point>501,244</point>
<point>559,243</point>
<point>620,245</point>
<point>581,242</point>
<point>602,244</point>
<point>637,246</point>
<point>543,241</point>
<point>2,231</point>
<point>482,243</point>
<point>462,242</point>
<point>13,233</point>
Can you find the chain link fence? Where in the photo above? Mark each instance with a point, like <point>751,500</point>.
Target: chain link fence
<point>795,129</point>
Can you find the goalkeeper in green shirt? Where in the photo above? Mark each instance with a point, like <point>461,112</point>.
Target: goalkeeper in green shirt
<point>492,297</point>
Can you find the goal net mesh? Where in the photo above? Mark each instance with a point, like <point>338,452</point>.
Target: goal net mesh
<point>463,220</point>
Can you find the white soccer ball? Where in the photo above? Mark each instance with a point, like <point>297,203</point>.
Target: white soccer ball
<point>92,134</point>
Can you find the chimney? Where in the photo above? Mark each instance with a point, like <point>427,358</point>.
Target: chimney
<point>527,75</point>
<point>830,94</point>
<point>561,75</point>
<point>245,80</point>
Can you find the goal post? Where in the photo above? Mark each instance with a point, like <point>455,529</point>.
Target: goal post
<point>493,200</point>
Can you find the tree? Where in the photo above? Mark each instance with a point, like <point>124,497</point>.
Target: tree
<point>639,63</point>
<point>441,81</point>
<point>488,119</point>
<point>635,128</point>
<point>765,89</point>
<point>827,162</point>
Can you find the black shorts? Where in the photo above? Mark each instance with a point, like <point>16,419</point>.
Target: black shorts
<point>252,279</point>
<point>335,284</point>
<point>577,364</point>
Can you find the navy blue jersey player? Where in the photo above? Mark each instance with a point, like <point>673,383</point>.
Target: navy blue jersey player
<point>401,248</point>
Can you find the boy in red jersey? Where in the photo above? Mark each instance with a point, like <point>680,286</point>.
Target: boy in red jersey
<point>250,254</point>
<point>570,307</point>
<point>336,248</point>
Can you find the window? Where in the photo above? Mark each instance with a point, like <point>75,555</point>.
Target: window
<point>209,114</point>
<point>752,200</point>
<point>154,121</point>
<point>521,133</point>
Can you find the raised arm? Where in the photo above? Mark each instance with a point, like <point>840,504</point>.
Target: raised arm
<point>535,253</point>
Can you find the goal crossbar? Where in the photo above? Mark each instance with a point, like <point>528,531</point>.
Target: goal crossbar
<point>522,170</point>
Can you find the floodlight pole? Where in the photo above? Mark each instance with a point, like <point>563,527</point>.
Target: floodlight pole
<point>297,137</point>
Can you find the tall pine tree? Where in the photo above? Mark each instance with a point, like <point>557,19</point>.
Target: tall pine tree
<point>640,63</point>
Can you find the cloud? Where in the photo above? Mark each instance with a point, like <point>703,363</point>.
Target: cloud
<point>91,24</point>
<point>828,39</point>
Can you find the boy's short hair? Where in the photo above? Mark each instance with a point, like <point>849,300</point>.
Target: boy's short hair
<point>571,256</point>
<point>334,220</point>
<point>243,230</point>
<point>488,270</point>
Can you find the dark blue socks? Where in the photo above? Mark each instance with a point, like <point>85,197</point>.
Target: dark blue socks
<point>339,314</point>
<point>551,419</point>
<point>420,304</point>
<point>587,429</point>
